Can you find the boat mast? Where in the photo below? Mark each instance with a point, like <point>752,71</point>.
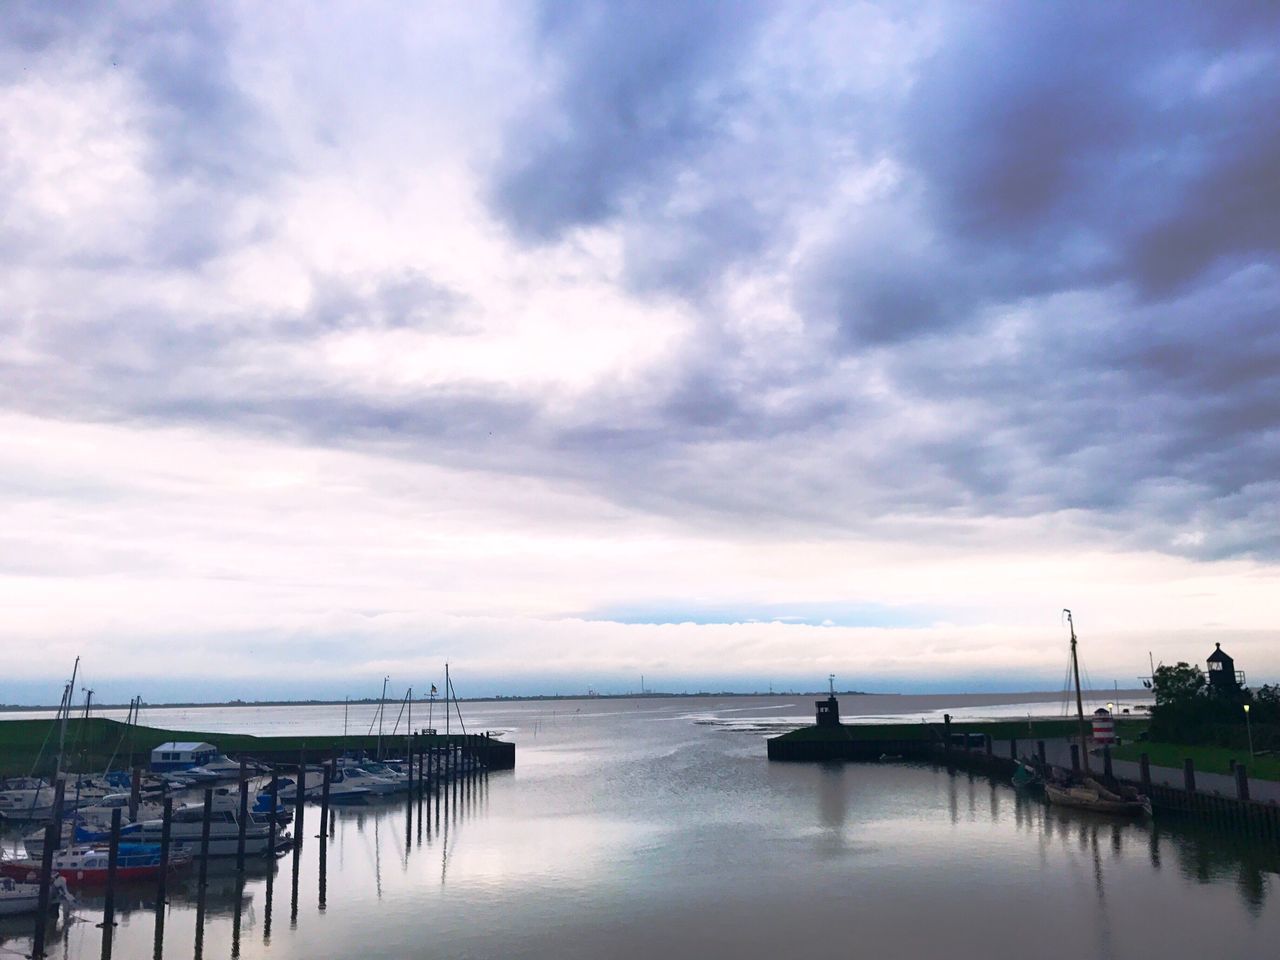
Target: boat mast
<point>346,702</point>
<point>1075,671</point>
<point>65,714</point>
<point>382,703</point>
<point>446,698</point>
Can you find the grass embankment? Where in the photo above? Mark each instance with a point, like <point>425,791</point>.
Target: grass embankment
<point>1206,759</point>
<point>998,730</point>
<point>91,744</point>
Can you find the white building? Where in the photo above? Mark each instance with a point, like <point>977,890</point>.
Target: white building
<point>181,756</point>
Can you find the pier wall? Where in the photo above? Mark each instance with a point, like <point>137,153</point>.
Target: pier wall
<point>998,758</point>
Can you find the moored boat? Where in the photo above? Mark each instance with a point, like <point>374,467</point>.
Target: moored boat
<point>17,897</point>
<point>1089,794</point>
<point>89,864</point>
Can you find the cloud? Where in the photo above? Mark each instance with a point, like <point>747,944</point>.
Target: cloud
<point>783,280</point>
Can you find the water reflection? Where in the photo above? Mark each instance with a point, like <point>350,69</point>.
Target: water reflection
<point>609,846</point>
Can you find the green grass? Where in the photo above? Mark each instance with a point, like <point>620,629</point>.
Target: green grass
<point>998,730</point>
<point>1206,759</point>
<point>91,743</point>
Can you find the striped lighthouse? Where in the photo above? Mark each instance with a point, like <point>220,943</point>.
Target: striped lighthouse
<point>1104,727</point>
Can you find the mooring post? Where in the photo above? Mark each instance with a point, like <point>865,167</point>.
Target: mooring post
<point>301,804</point>
<point>988,743</point>
<point>109,902</point>
<point>1040,753</point>
<point>1075,758</point>
<point>1189,775</point>
<point>166,828</point>
<point>324,805</point>
<point>206,818</point>
<point>415,766</point>
<point>135,793</point>
<point>244,815</point>
<point>274,822</point>
<point>1242,781</point>
<point>52,840</point>
<point>431,752</point>
<point>1013,748</point>
<point>324,839</point>
<point>1106,762</point>
<point>946,734</point>
<point>1144,773</point>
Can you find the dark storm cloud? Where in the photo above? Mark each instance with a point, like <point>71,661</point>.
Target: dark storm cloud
<point>1103,141</point>
<point>637,91</point>
<point>1124,156</point>
<point>1063,300</point>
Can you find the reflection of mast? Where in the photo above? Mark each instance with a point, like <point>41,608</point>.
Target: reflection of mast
<point>377,858</point>
<point>1104,925</point>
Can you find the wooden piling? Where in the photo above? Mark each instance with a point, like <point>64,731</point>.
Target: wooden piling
<point>1242,782</point>
<point>244,815</point>
<point>166,827</point>
<point>274,823</point>
<point>1106,762</point>
<point>135,793</point>
<point>1144,772</point>
<point>324,804</point>
<point>205,819</point>
<point>109,901</point>
<point>301,805</point>
<point>52,840</point>
<point>324,829</point>
<point>1040,753</point>
<point>1013,748</point>
<point>1075,758</point>
<point>1189,775</point>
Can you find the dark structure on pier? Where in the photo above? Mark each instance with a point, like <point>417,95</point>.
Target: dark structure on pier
<point>1224,679</point>
<point>829,712</point>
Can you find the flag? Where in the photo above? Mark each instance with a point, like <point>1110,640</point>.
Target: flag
<point>433,689</point>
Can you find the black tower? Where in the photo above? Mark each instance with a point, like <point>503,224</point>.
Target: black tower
<point>1223,676</point>
<point>829,709</point>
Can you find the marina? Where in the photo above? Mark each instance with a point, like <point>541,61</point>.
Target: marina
<point>635,826</point>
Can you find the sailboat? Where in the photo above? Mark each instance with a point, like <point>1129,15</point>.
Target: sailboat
<point>1089,794</point>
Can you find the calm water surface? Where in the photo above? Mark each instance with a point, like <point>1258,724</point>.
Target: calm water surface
<point>635,828</point>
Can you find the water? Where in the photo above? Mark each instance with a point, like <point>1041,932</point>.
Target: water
<point>635,828</point>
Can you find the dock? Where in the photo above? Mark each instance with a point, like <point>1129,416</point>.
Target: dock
<point>996,748</point>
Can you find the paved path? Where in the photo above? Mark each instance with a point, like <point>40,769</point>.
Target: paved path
<point>1058,753</point>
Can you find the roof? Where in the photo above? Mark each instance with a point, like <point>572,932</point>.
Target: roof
<point>185,746</point>
<point>1218,654</point>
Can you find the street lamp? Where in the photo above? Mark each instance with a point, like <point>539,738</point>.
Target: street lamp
<point>1248,726</point>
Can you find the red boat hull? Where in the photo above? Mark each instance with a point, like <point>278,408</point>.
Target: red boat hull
<point>29,872</point>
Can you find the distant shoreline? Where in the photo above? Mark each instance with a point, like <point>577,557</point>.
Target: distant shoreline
<point>18,708</point>
<point>533,698</point>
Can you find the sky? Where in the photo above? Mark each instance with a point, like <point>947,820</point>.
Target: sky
<point>725,343</point>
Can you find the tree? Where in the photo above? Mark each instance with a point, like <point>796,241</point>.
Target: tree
<point>1179,686</point>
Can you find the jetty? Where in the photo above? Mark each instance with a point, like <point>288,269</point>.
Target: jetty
<point>100,740</point>
<point>997,747</point>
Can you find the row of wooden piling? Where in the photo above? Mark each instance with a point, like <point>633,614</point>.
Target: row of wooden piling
<point>434,768</point>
